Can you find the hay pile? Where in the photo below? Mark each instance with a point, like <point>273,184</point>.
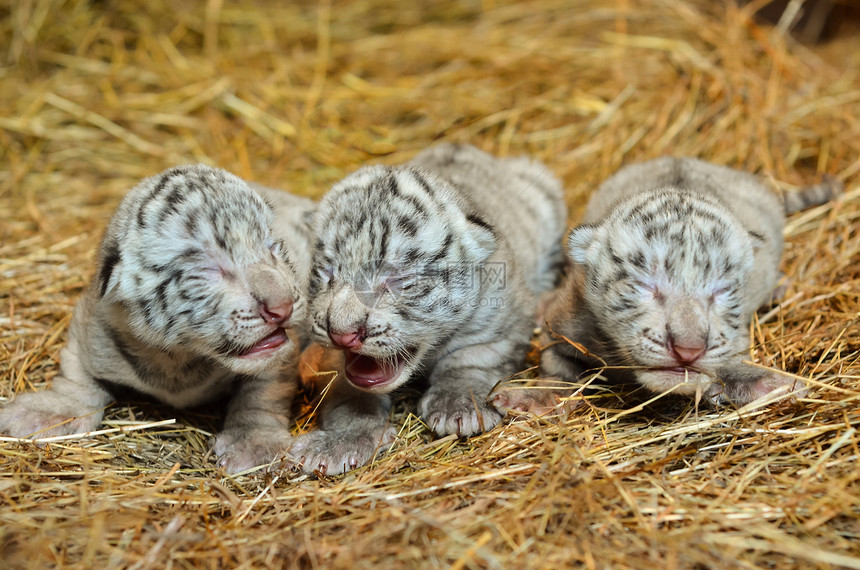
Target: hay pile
<point>94,96</point>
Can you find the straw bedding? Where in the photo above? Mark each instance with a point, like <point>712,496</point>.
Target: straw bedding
<point>95,96</point>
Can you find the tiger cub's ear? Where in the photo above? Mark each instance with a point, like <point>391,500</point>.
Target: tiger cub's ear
<point>756,238</point>
<point>109,257</point>
<point>579,243</point>
<point>309,219</point>
<point>480,237</point>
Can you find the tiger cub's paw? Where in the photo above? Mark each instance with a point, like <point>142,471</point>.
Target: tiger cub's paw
<point>47,414</point>
<point>448,412</point>
<point>332,452</point>
<point>239,450</point>
<point>541,397</point>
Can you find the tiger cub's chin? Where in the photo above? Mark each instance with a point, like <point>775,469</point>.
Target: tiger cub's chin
<point>678,380</point>
<point>270,350</point>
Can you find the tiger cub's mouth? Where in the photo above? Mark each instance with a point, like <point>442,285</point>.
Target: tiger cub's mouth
<point>370,373</point>
<point>677,370</point>
<point>266,345</point>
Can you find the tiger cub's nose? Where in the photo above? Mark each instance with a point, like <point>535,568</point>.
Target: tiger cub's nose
<point>352,340</point>
<point>687,354</point>
<point>276,313</point>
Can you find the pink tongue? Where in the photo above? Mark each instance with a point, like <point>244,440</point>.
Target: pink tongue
<point>274,340</point>
<point>367,372</point>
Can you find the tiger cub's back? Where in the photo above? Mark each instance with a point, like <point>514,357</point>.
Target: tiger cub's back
<point>523,199</point>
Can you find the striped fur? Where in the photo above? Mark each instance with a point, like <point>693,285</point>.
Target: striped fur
<point>812,196</point>
<point>672,259</point>
<point>197,293</point>
<point>428,269</point>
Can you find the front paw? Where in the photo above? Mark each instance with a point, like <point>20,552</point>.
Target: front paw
<point>47,414</point>
<point>462,414</point>
<point>336,451</point>
<point>744,385</point>
<point>541,397</point>
<point>243,449</point>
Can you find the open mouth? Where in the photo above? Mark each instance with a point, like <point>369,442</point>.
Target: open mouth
<point>266,344</point>
<point>369,373</point>
<point>679,370</point>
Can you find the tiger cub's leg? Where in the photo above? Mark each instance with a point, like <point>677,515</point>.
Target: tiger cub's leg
<point>353,425</point>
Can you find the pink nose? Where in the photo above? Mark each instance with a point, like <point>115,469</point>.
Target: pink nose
<point>347,340</point>
<point>276,314</point>
<point>687,354</point>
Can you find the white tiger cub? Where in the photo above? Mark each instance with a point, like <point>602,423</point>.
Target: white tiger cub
<point>429,269</point>
<point>673,257</point>
<point>198,292</point>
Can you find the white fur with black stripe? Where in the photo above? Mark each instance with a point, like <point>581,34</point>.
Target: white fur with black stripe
<point>197,294</point>
<point>428,269</point>
<point>673,257</point>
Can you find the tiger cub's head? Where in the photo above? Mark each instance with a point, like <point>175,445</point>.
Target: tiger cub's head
<point>665,275</point>
<point>395,271</point>
<point>190,263</point>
